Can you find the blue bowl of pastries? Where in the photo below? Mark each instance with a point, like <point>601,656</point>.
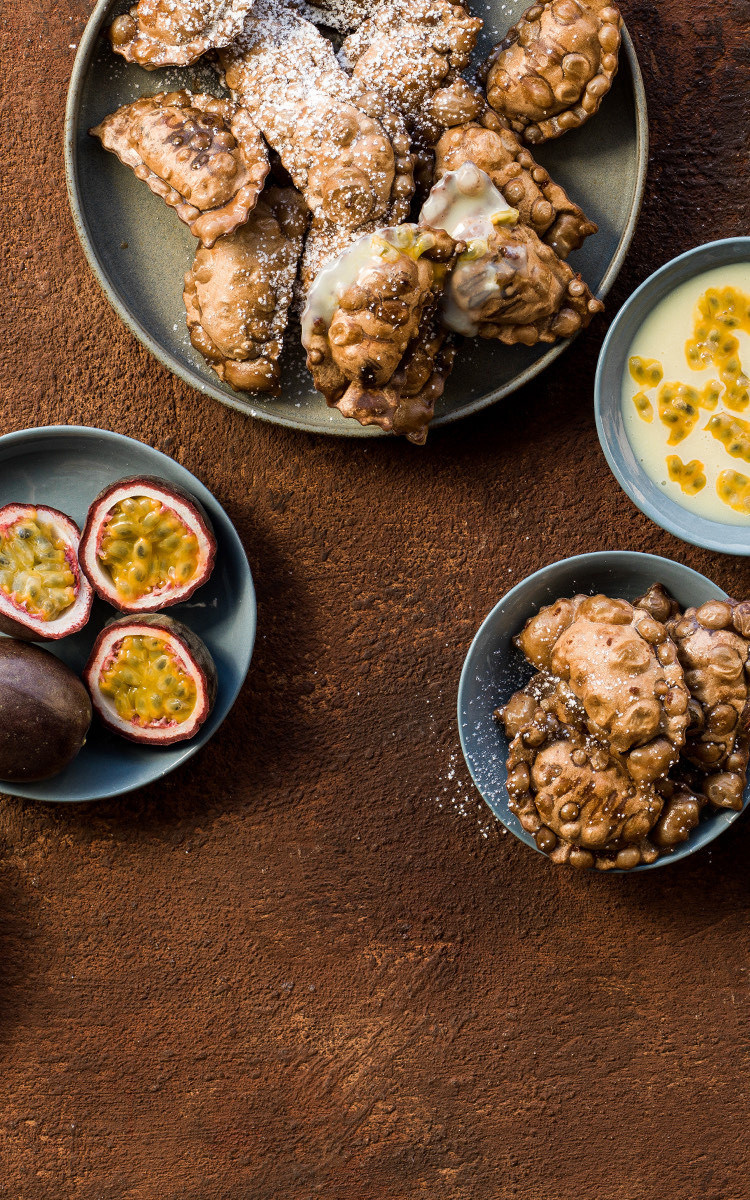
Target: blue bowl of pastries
<point>672,396</point>
<point>620,709</point>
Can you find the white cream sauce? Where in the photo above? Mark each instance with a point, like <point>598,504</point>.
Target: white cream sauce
<point>468,206</point>
<point>341,272</point>
<point>663,336</point>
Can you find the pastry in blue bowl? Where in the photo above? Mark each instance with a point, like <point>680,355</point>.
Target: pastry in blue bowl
<point>604,710</point>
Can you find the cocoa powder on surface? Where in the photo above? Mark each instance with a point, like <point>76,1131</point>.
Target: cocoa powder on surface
<point>297,967</point>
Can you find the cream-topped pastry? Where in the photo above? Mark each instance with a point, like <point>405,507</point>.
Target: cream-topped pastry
<point>366,252</point>
<point>468,206</point>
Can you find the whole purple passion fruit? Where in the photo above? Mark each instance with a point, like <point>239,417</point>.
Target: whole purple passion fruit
<point>146,544</point>
<point>45,713</point>
<point>151,679</point>
<point>43,592</point>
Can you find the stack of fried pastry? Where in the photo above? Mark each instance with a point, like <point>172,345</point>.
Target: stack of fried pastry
<point>386,279</point>
<point>636,722</point>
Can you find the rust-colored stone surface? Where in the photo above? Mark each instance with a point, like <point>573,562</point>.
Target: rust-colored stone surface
<point>309,963</point>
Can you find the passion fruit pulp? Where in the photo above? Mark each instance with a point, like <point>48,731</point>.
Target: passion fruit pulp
<point>146,544</point>
<point>45,713</point>
<point>43,593</point>
<point>151,679</point>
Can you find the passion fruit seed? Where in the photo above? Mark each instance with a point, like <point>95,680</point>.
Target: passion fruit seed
<point>678,409</point>
<point>34,571</point>
<point>644,406</point>
<point>145,547</point>
<point>734,489</point>
<point>645,371</point>
<point>733,433</point>
<point>690,476</point>
<point>146,682</point>
<point>718,311</point>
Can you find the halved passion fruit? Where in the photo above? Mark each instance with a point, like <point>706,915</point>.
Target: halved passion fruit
<point>43,592</point>
<point>146,544</point>
<point>151,679</point>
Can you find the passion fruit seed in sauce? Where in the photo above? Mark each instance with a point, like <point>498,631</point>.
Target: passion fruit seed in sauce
<point>646,372</point>
<point>703,326</point>
<point>146,682</point>
<point>144,546</point>
<point>734,489</point>
<point>644,406</point>
<point>34,569</point>
<point>713,344</point>
<point>678,409</point>
<point>678,405</point>
<point>733,433</point>
<point>690,476</point>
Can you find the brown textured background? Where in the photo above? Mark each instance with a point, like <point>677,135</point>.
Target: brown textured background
<point>309,963</point>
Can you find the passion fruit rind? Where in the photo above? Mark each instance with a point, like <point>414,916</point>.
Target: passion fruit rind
<point>140,684</point>
<point>45,713</point>
<point>147,544</point>
<point>44,594</point>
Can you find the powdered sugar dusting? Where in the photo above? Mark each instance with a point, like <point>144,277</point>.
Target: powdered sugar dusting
<point>407,49</point>
<point>285,72</point>
<point>343,15</point>
<point>455,791</point>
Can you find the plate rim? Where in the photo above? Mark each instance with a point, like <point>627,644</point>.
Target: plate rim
<point>34,789</point>
<point>343,428</point>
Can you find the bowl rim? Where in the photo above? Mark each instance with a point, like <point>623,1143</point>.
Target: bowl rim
<point>84,55</point>
<point>244,654</point>
<point>673,517</point>
<point>722,820</point>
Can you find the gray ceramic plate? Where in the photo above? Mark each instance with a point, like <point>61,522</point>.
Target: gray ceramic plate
<point>65,466</point>
<point>651,499</point>
<point>139,251</point>
<point>494,668</point>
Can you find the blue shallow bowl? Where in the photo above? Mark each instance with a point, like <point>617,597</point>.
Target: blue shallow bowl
<point>652,500</point>
<point>494,668</point>
<point>66,466</point>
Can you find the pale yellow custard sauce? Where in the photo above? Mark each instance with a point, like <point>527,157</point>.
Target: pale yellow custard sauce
<point>686,394</point>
